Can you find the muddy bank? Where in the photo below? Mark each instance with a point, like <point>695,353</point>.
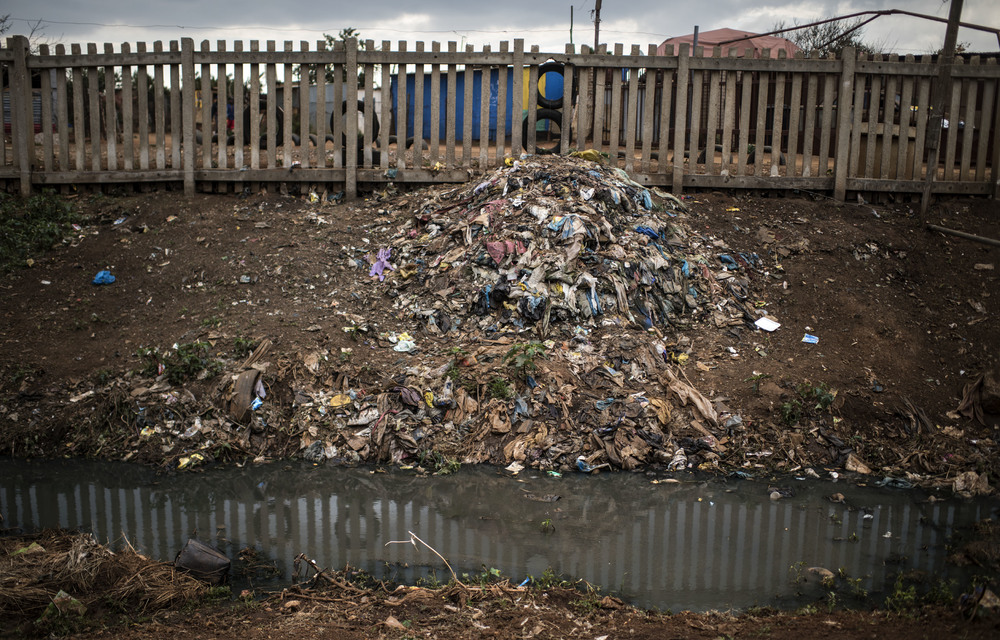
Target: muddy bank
<point>551,315</point>
<point>60,583</point>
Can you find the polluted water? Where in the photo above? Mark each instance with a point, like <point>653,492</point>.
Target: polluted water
<point>688,542</point>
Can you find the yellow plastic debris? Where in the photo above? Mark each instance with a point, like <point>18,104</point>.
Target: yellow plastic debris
<point>588,154</point>
<point>190,461</point>
<point>340,400</point>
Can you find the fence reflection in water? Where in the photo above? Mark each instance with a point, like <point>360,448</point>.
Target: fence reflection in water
<point>697,545</point>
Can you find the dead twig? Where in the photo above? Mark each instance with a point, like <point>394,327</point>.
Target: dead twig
<point>414,540</point>
<point>321,573</point>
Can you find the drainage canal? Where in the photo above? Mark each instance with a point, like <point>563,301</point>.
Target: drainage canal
<point>698,544</point>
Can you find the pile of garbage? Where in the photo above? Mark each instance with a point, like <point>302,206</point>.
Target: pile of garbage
<point>562,241</point>
<point>543,306</point>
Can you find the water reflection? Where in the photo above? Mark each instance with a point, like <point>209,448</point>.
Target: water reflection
<point>695,545</point>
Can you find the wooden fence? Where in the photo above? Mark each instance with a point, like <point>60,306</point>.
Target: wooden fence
<point>292,117</point>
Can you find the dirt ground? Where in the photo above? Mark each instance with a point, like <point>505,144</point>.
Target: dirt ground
<point>905,318</point>
<point>546,614</point>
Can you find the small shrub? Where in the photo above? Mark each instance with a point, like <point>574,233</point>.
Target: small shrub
<point>243,346</point>
<point>818,393</point>
<point>590,600</point>
<point>522,357</point>
<point>32,225</point>
<point>184,362</point>
<point>903,599</point>
<point>811,400</point>
<point>791,412</point>
<point>500,388</point>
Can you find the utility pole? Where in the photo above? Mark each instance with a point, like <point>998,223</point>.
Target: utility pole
<point>939,90</point>
<point>571,24</point>
<point>597,24</point>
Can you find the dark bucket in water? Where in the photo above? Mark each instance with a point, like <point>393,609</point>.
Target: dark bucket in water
<point>203,562</point>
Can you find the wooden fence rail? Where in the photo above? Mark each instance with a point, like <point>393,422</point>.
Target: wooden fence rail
<point>330,119</point>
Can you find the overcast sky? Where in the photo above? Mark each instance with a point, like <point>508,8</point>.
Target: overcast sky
<point>542,22</point>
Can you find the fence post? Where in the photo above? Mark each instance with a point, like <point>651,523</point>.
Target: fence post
<point>996,149</point>
<point>22,125</point>
<point>680,118</point>
<point>187,109</point>
<point>842,156</point>
<point>517,99</point>
<point>351,89</point>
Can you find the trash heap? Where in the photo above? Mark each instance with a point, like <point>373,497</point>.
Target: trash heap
<point>541,309</point>
<point>568,242</point>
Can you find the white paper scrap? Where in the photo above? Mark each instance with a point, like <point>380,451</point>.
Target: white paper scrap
<point>767,324</point>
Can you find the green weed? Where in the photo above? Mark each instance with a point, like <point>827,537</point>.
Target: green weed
<point>499,388</point>
<point>243,346</point>
<point>431,581</point>
<point>521,357</point>
<point>549,579</point>
<point>32,225</point>
<point>589,601</point>
<point>797,572</point>
<point>903,598</point>
<point>756,379</point>
<point>791,412</point>
<point>184,362</point>
<point>812,399</point>
<point>484,578</point>
<point>942,593</point>
<point>818,393</point>
<point>437,463</point>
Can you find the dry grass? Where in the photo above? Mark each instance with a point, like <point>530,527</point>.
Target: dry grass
<point>90,572</point>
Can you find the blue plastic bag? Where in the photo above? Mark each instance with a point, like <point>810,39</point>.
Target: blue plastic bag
<point>104,277</point>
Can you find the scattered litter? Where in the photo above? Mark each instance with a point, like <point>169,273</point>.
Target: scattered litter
<point>514,467</point>
<point>381,264</point>
<point>855,464</point>
<point>104,277</point>
<point>767,324</point>
<point>811,339</point>
<point>203,562</point>
<point>190,461</point>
